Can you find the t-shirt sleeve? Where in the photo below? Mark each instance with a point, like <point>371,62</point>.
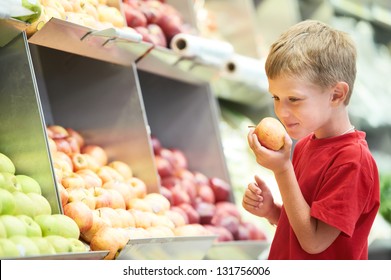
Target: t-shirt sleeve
<point>342,197</point>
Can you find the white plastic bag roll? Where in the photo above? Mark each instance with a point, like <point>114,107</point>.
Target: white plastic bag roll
<point>211,51</point>
<point>246,69</point>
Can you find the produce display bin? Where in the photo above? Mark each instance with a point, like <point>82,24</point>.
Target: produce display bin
<point>100,100</point>
<point>185,116</point>
<point>167,248</point>
<point>237,250</point>
<point>92,255</point>
<point>22,129</point>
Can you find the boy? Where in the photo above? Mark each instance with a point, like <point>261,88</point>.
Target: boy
<point>330,188</point>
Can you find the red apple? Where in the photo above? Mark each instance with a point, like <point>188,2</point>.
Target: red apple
<point>156,145</point>
<point>164,167</point>
<point>206,194</point>
<point>229,222</point>
<point>181,212</point>
<point>228,208</point>
<point>170,182</point>
<point>200,178</point>
<point>220,188</point>
<point>167,194</point>
<point>192,214</point>
<point>157,35</point>
<point>180,159</point>
<point>243,233</point>
<point>255,232</point>
<point>190,188</point>
<point>134,17</point>
<point>206,211</point>
<point>179,196</point>
<point>80,213</point>
<point>222,233</point>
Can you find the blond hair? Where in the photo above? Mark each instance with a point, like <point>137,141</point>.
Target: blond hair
<point>316,52</point>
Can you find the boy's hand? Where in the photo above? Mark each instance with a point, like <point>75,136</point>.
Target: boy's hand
<point>257,199</point>
<point>277,161</point>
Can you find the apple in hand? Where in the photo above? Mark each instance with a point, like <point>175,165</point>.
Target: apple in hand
<point>6,164</point>
<point>7,202</point>
<point>80,213</point>
<point>28,184</point>
<point>270,133</point>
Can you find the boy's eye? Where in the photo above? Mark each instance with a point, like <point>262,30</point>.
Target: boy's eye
<point>275,98</point>
<point>293,99</point>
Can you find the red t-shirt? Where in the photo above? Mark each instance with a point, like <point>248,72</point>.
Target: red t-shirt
<point>339,180</point>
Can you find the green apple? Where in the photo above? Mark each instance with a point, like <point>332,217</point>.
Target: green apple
<point>58,224</point>
<point>8,182</point>
<point>44,245</point>
<point>13,225</point>
<point>6,164</point>
<point>35,7</point>
<point>23,204</point>
<point>25,245</point>
<point>32,227</point>
<point>28,184</point>
<point>3,232</point>
<point>7,202</point>
<point>60,244</point>
<point>77,246</point>
<point>42,205</point>
<point>9,249</point>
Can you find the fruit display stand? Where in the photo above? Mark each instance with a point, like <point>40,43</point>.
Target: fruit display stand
<point>116,90</point>
<point>238,250</point>
<point>170,248</point>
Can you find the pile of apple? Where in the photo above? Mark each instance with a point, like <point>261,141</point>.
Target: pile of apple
<point>201,200</point>
<point>157,21</point>
<point>27,225</point>
<point>95,14</point>
<point>108,203</point>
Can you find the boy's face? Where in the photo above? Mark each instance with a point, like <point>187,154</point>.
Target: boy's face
<point>301,106</point>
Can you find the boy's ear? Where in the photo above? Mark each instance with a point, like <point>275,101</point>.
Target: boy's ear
<point>340,91</point>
